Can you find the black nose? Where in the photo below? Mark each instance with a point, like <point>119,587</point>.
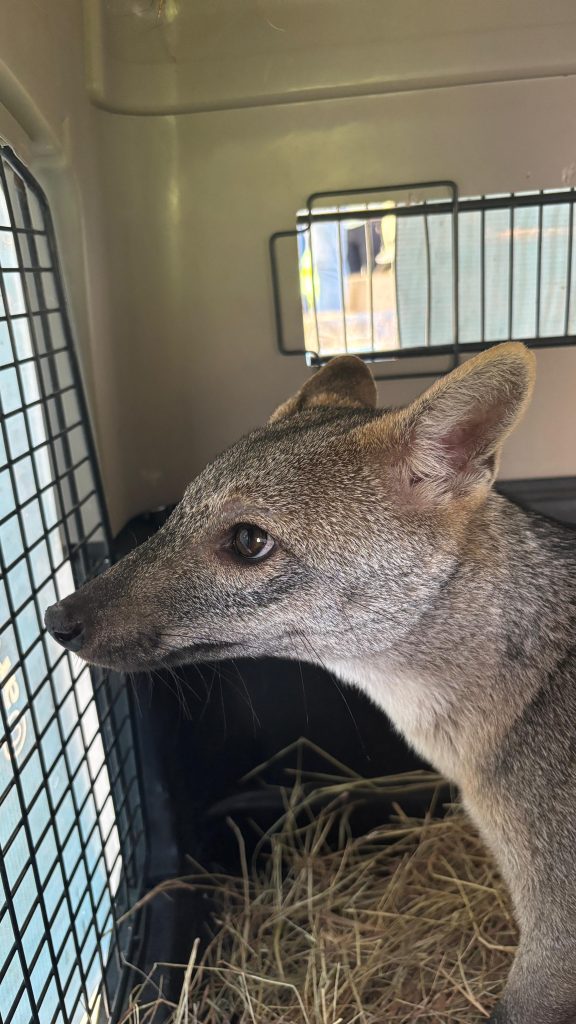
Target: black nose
<point>64,626</point>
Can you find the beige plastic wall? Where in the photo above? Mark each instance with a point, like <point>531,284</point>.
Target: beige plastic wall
<point>187,132</point>
<point>48,119</point>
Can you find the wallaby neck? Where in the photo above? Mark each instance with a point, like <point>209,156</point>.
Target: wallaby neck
<point>476,658</point>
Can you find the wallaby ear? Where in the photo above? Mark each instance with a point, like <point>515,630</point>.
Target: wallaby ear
<point>344,381</point>
<point>451,436</point>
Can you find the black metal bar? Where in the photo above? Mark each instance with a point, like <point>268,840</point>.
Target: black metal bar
<point>29,360</point>
<point>450,186</point>
<point>558,341</point>
<point>342,290</point>
<point>313,283</point>
<point>455,268</point>
<point>397,294</point>
<point>482,274</point>
<point>13,229</point>
<point>539,271</point>
<point>437,208</point>
<point>369,271</point>
<point>340,216</point>
<point>569,267</point>
<point>428,320</point>
<point>276,292</point>
<point>25,270</point>
<point>30,314</point>
<point>511,276</point>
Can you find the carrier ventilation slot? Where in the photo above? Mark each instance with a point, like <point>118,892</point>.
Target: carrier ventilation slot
<point>413,271</point>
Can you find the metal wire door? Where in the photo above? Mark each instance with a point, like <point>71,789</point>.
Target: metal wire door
<point>72,839</point>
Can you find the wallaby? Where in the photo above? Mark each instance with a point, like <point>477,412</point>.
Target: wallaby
<point>371,542</point>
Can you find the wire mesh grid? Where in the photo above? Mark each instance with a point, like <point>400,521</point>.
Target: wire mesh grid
<point>72,838</point>
<point>421,275</point>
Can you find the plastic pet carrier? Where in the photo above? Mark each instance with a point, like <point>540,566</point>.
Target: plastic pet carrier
<point>110,785</point>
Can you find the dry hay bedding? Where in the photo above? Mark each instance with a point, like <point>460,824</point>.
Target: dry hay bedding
<point>408,922</point>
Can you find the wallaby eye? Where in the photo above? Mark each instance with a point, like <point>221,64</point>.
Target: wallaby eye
<point>251,542</point>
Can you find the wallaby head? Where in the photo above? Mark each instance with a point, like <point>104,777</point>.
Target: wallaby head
<point>328,531</point>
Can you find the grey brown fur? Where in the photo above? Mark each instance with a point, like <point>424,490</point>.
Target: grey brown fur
<point>398,567</point>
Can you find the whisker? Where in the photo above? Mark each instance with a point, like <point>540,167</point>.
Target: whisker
<point>336,683</point>
<point>134,689</point>
<point>255,719</point>
<point>304,697</point>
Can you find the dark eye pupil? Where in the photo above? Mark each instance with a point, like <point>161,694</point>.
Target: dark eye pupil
<point>249,541</point>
